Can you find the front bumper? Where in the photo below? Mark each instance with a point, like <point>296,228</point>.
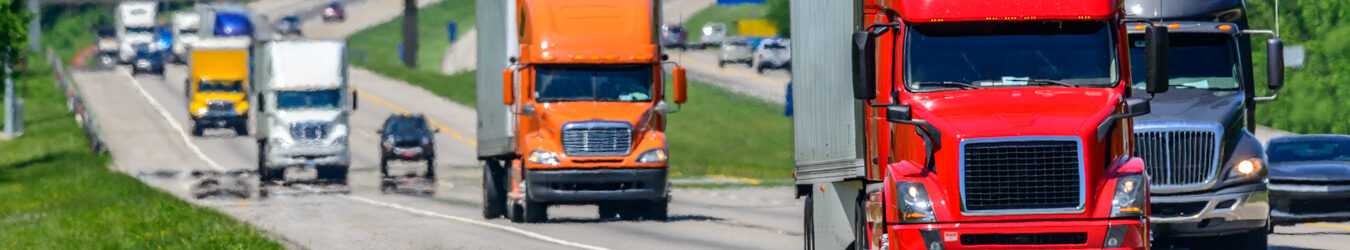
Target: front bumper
<point>219,119</point>
<point>1309,202</point>
<point>1231,210</point>
<point>590,186</point>
<point>1017,235</point>
<point>408,153</point>
<point>308,156</point>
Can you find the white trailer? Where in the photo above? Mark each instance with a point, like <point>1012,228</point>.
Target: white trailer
<point>301,94</point>
<point>135,22</point>
<point>184,33</point>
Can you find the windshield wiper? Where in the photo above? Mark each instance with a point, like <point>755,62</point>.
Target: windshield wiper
<point>960,85</point>
<point>1048,82</point>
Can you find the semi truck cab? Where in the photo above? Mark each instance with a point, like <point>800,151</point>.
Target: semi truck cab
<point>1206,167</point>
<point>584,105</point>
<point>971,125</point>
<point>302,94</point>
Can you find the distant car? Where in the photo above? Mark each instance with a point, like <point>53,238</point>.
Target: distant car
<point>148,60</point>
<point>407,138</point>
<point>773,54</point>
<point>713,34</point>
<point>108,45</point>
<point>334,13</point>
<point>230,24</point>
<point>735,51</point>
<point>673,36</point>
<point>1309,178</point>
<point>289,25</point>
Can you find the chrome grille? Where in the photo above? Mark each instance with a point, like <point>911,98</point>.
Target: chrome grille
<point>1021,175</point>
<point>1177,158</point>
<point>220,106</point>
<point>310,130</point>
<point>597,138</point>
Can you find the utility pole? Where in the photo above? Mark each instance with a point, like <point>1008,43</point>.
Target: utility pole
<point>34,27</point>
<point>410,33</point>
<point>13,106</point>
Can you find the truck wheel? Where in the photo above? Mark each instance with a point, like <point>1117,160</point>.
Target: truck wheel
<point>431,168</point>
<point>384,167</point>
<point>808,225</point>
<point>494,199</point>
<point>658,210</point>
<point>333,174</point>
<point>196,130</point>
<point>608,210</point>
<point>241,128</point>
<point>721,64</point>
<point>535,212</point>
<point>267,175</point>
<point>760,69</point>
<point>860,241</point>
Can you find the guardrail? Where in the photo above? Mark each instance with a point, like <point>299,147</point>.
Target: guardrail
<point>75,103</point>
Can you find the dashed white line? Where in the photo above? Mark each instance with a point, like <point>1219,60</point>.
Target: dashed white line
<point>169,118</point>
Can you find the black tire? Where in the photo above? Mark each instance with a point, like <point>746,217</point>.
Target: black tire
<point>384,167</point>
<point>808,223</point>
<point>657,210</point>
<point>860,241</point>
<point>749,64</point>
<point>333,174</point>
<point>632,211</point>
<point>431,168</point>
<point>535,212</point>
<point>494,198</point>
<point>608,210</point>
<point>1256,239</point>
<point>241,128</point>
<point>267,175</point>
<point>196,130</point>
<point>760,69</point>
<point>721,64</point>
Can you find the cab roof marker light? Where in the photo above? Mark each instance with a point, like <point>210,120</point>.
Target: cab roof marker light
<point>1225,27</point>
<point>1139,27</point>
<point>1173,26</point>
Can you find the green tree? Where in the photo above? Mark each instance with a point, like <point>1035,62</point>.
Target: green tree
<point>14,20</point>
<point>779,12</point>
<point>1313,98</point>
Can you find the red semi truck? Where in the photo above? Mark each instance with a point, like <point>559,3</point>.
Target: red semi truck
<point>972,124</point>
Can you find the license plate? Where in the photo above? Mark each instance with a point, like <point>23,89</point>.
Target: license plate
<point>409,154</point>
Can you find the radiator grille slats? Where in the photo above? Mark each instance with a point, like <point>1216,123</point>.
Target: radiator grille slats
<point>1177,158</point>
<point>1014,175</point>
<point>310,130</point>
<point>597,140</point>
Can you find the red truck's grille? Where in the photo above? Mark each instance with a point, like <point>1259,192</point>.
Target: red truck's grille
<point>1012,175</point>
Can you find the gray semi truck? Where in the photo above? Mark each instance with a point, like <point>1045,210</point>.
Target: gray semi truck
<point>1205,165</point>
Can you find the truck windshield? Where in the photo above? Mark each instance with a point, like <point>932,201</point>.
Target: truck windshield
<point>187,32</point>
<point>1325,150</point>
<point>140,29</point>
<point>1195,61</point>
<point>317,99</point>
<point>961,55</point>
<point>230,86</point>
<point>606,83</point>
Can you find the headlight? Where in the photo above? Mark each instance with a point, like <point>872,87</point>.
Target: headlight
<point>543,157</point>
<point>426,141</point>
<point>280,141</point>
<point>143,63</point>
<point>1129,199</point>
<point>201,111</point>
<point>653,156</point>
<point>912,200</point>
<point>340,140</point>
<point>1245,168</point>
<point>388,142</point>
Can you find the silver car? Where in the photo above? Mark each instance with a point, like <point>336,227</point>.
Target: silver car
<point>735,51</point>
<point>773,54</point>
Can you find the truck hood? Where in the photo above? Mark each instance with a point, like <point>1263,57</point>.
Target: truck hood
<point>1333,171</point>
<point>1023,111</point>
<point>1194,105</point>
<point>556,114</point>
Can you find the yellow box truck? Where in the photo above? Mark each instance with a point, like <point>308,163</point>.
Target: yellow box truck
<point>217,84</point>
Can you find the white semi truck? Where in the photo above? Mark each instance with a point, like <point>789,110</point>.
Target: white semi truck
<point>184,33</point>
<point>135,25</point>
<point>302,106</point>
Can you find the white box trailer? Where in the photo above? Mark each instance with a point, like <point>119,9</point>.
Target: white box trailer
<point>135,21</point>
<point>303,103</point>
<point>185,31</point>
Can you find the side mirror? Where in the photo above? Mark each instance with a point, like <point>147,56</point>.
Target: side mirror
<point>527,110</point>
<point>899,113</point>
<point>1138,106</point>
<point>1156,57</point>
<point>678,76</point>
<point>508,91</point>
<point>1275,63</point>
<point>864,66</point>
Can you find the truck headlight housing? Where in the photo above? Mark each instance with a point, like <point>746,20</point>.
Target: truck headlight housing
<point>426,141</point>
<point>201,111</point>
<point>912,200</point>
<point>340,140</point>
<point>1245,168</point>
<point>1130,197</point>
<point>543,157</point>
<point>653,156</point>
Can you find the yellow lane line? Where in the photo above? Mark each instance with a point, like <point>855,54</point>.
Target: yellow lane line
<point>742,179</point>
<point>1319,224</point>
<point>738,72</point>
<point>452,132</point>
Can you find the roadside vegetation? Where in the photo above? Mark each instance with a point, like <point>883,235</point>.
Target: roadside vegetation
<point>722,14</point>
<point>379,45</point>
<point>718,133</point>
<point>1313,100</point>
<point>59,195</point>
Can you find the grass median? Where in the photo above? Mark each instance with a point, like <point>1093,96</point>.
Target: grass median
<point>56,194</point>
<point>719,133</point>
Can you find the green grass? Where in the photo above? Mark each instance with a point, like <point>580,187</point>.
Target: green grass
<point>59,195</point>
<point>67,29</point>
<point>723,14</point>
<point>718,133</point>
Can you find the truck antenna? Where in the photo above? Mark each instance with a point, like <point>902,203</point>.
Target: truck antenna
<point>1277,18</point>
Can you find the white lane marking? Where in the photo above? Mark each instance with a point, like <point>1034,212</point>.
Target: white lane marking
<point>208,160</point>
<point>169,118</point>
<point>472,222</point>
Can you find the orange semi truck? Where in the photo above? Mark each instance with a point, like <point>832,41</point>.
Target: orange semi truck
<point>577,113</point>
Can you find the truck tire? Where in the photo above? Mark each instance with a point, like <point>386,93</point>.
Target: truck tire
<point>657,210</point>
<point>241,128</point>
<point>535,212</point>
<point>760,69</point>
<point>267,175</point>
<point>196,130</point>
<point>431,168</point>
<point>1256,239</point>
<point>384,167</point>
<point>333,174</point>
<point>860,241</point>
<point>608,210</point>
<point>494,199</point>
<point>721,64</point>
<point>808,225</point>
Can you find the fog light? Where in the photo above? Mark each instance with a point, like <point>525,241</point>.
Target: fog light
<point>1115,236</point>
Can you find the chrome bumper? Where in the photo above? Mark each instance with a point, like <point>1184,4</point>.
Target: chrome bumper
<point>1249,210</point>
<point>308,156</point>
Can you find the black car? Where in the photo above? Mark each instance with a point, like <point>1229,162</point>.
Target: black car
<point>289,25</point>
<point>1309,178</point>
<point>673,36</point>
<point>148,60</point>
<point>407,137</point>
<point>334,13</point>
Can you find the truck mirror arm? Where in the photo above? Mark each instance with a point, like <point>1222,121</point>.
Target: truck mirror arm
<point>932,137</point>
<point>1134,106</point>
